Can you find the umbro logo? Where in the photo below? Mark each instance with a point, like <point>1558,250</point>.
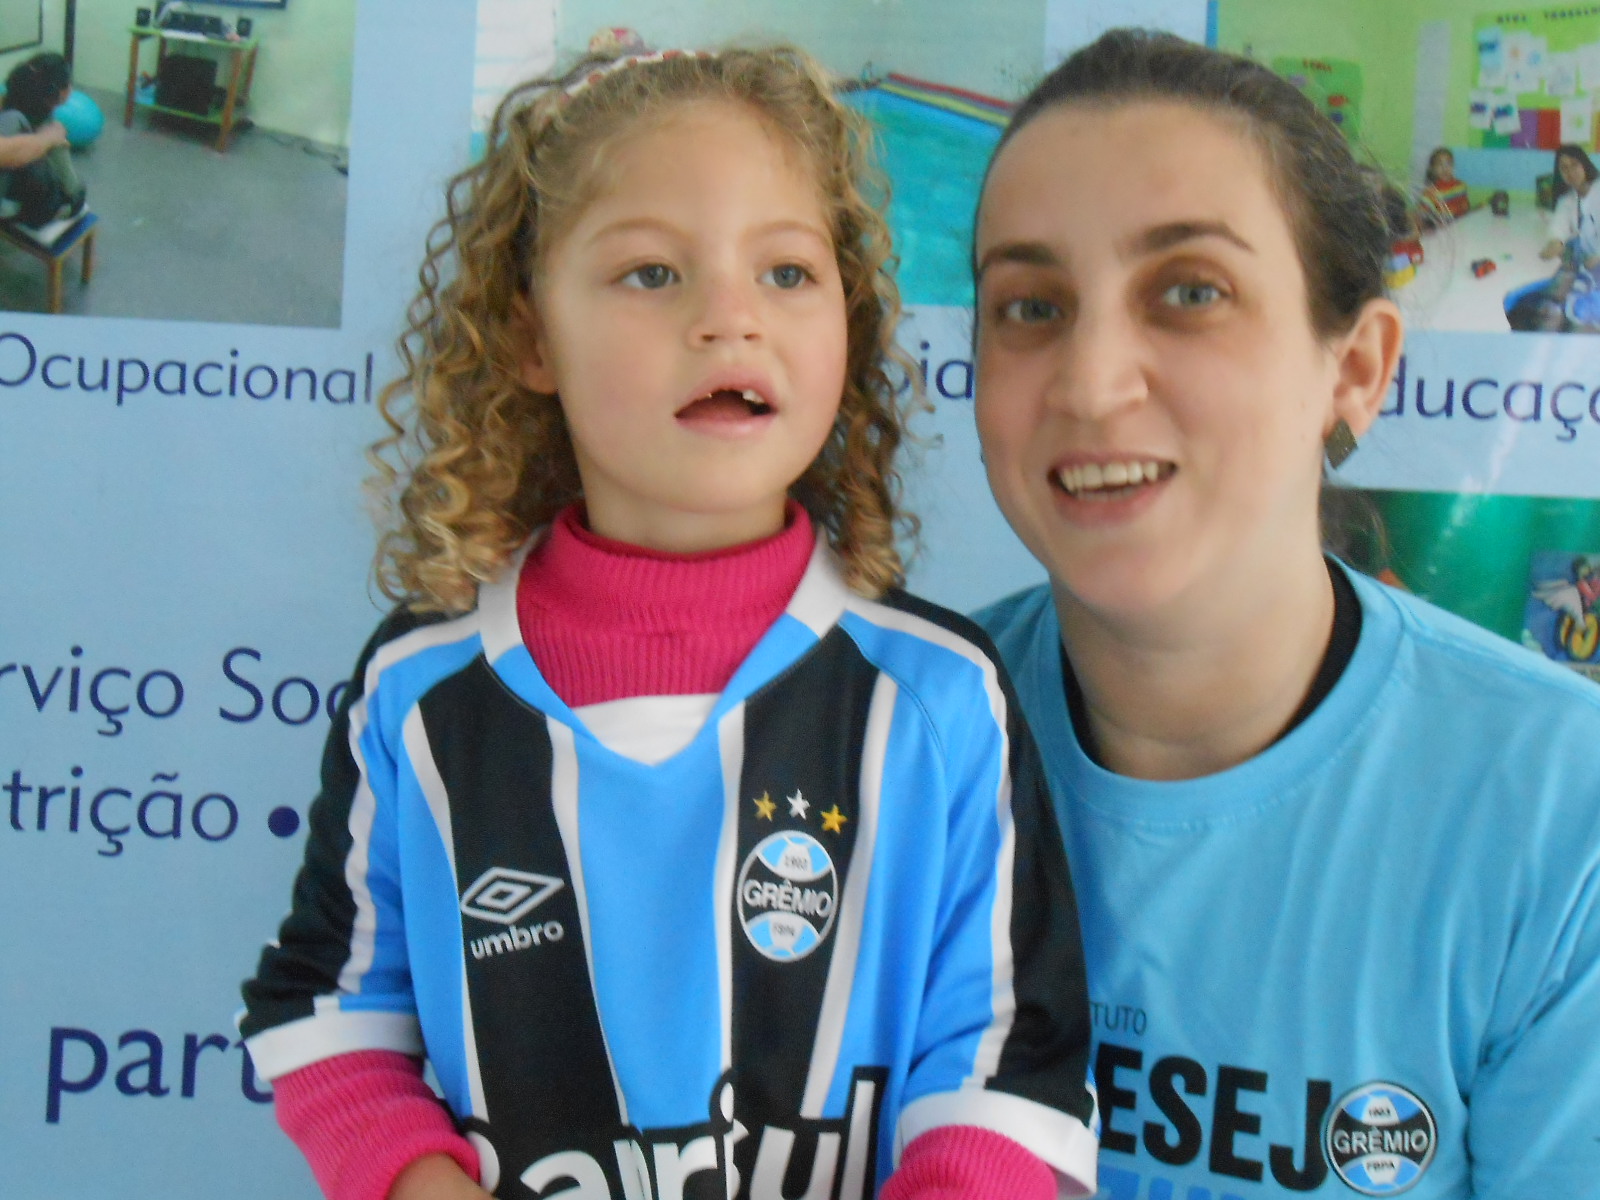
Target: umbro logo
<point>504,896</point>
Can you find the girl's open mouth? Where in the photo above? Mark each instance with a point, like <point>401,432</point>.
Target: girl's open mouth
<point>726,404</point>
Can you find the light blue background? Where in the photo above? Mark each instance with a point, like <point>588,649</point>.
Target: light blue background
<point>169,531</point>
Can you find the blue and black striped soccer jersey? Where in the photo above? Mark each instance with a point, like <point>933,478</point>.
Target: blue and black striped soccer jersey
<point>841,916</point>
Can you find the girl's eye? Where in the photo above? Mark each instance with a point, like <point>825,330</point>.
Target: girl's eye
<point>650,276</point>
<point>788,275</point>
<point>1029,310</point>
<point>1191,295</point>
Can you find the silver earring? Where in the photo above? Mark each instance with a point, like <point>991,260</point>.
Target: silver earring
<point>1340,444</point>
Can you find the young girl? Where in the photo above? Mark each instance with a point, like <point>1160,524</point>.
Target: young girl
<point>1338,851</point>
<point>695,858</point>
<point>1444,197</point>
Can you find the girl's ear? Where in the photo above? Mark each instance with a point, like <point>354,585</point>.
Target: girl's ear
<point>536,370</point>
<point>1367,357</point>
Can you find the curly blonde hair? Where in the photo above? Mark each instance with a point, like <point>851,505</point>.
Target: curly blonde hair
<point>475,461</point>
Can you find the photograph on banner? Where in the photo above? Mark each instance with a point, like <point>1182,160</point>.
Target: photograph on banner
<point>1485,113</point>
<point>1561,621</point>
<point>936,80</point>
<point>175,161</point>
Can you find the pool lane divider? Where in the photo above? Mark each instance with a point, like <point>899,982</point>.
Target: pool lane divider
<point>951,99</point>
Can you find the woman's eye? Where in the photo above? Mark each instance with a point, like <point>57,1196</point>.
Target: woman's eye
<point>1029,310</point>
<point>788,275</point>
<point>1191,295</point>
<point>650,276</point>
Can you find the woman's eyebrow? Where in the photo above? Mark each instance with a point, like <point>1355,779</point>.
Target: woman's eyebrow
<point>1147,241</point>
<point>1031,254</point>
<point>1174,233</point>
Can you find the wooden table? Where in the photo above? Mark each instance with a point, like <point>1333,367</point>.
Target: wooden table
<point>241,54</point>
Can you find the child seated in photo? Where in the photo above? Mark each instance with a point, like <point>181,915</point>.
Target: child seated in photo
<point>1444,198</point>
<point>38,182</point>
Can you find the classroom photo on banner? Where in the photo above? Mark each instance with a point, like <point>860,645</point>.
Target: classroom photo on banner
<point>1486,115</point>
<point>936,85</point>
<point>175,161</point>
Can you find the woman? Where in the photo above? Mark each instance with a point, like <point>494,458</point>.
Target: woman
<point>1576,220</point>
<point>1337,852</point>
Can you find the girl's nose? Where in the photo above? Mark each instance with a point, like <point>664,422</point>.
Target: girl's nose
<point>728,310</point>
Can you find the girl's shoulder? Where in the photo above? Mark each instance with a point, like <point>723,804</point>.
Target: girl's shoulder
<point>410,644</point>
<point>935,652</point>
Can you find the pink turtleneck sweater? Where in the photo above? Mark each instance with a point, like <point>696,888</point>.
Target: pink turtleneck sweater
<point>607,621</point>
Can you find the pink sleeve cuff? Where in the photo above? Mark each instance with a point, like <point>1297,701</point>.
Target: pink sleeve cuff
<point>963,1162</point>
<point>362,1118</point>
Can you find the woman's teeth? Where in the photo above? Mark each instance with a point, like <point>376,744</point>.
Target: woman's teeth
<point>1093,477</point>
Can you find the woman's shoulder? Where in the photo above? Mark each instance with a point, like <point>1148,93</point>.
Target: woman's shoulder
<point>1479,668</point>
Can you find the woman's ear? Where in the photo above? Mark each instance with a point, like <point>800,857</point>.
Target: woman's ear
<point>535,368</point>
<point>1367,357</point>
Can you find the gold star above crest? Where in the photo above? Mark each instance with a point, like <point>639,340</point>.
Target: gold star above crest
<point>833,820</point>
<point>765,807</point>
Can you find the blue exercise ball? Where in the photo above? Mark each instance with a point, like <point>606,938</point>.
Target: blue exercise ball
<point>81,118</point>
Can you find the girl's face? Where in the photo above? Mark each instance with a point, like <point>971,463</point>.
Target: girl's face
<point>1151,396</point>
<point>692,322</point>
<point>1442,166</point>
<point>1572,173</point>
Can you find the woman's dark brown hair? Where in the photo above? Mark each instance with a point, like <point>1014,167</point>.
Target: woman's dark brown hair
<point>1334,203</point>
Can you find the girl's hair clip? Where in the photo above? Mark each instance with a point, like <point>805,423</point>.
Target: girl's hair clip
<point>596,74</point>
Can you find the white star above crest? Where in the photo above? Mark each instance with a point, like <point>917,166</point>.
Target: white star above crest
<point>798,804</point>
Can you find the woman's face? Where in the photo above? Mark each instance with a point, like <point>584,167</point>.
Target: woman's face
<point>1572,173</point>
<point>1152,398</point>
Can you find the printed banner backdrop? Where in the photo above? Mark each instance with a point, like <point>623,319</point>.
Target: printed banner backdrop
<point>186,550</point>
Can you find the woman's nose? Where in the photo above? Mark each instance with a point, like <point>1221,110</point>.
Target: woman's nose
<point>1100,364</point>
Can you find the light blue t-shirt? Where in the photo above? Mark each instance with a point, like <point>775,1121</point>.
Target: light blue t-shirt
<point>1365,962</point>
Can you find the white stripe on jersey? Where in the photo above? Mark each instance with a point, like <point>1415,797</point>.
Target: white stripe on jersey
<point>497,604</point>
<point>1003,1000</point>
<point>363,805</point>
<point>822,595</point>
<point>730,742</point>
<point>852,913</point>
<point>564,800</point>
<point>414,735</point>
<point>288,1047</point>
<point>648,729</point>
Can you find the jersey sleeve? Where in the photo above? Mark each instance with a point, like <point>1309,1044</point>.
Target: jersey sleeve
<point>337,978</point>
<point>1534,1128</point>
<point>1003,1037</point>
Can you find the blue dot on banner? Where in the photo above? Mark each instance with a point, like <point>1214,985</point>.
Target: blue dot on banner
<point>284,822</point>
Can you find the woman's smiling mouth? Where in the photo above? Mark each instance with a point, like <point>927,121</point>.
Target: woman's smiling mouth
<point>1111,480</point>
